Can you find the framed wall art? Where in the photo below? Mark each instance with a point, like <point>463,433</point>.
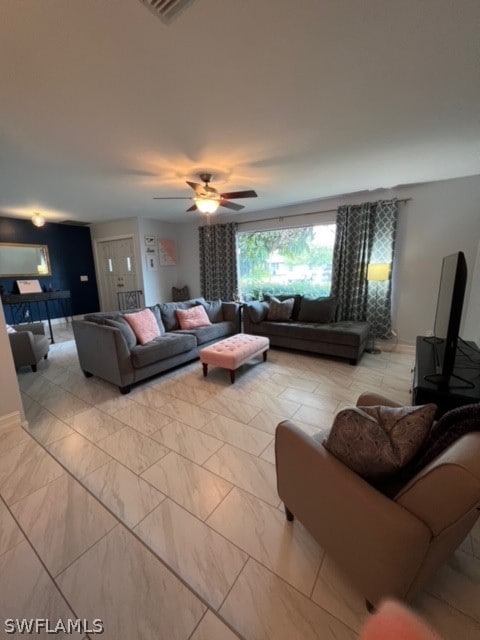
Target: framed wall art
<point>167,252</point>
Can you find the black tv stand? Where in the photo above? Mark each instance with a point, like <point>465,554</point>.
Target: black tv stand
<point>463,387</point>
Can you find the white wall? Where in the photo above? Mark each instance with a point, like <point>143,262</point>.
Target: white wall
<point>158,284</point>
<point>10,399</point>
<point>441,218</point>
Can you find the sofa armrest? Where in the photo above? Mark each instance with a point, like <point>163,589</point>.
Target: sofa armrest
<point>21,341</point>
<point>102,351</point>
<point>378,543</point>
<point>37,328</point>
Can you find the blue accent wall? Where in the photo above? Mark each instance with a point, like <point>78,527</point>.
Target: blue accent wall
<point>71,256</point>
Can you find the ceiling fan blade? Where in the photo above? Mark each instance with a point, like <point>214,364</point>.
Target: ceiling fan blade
<point>192,208</point>
<point>239,194</point>
<point>231,205</point>
<point>198,188</point>
<point>172,198</point>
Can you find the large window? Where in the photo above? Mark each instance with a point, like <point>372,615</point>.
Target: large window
<point>297,260</point>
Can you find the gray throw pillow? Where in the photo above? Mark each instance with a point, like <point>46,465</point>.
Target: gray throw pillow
<point>320,310</point>
<point>257,311</point>
<point>377,441</point>
<point>125,328</point>
<point>280,311</point>
<point>214,310</point>
<point>156,312</point>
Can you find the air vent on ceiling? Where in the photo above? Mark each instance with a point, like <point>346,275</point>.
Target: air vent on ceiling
<point>75,223</point>
<point>167,10</point>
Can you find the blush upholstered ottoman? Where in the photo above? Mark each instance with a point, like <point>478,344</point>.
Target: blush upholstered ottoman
<point>232,352</point>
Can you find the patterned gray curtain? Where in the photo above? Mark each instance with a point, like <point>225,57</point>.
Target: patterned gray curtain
<point>365,234</point>
<point>218,261</point>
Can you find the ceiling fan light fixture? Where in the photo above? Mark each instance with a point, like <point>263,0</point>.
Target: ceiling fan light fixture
<point>37,219</point>
<point>207,205</point>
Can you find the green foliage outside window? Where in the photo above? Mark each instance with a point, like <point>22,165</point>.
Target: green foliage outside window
<point>284,261</point>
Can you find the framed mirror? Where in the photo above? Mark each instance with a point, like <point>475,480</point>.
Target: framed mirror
<point>24,260</point>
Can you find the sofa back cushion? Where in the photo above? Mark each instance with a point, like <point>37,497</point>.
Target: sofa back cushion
<point>168,309</point>
<point>256,311</point>
<point>144,325</point>
<point>280,310</point>
<point>125,328</point>
<point>214,310</point>
<point>193,318</point>
<point>320,310</point>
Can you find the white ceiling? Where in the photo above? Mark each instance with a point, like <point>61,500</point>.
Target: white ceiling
<point>103,106</point>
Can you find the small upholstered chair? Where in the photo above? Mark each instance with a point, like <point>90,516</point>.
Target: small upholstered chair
<point>387,546</point>
<point>180,294</point>
<point>29,344</point>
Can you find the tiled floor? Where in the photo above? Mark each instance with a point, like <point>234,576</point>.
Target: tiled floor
<point>157,512</point>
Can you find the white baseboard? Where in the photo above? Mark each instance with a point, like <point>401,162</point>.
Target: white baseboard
<point>13,419</point>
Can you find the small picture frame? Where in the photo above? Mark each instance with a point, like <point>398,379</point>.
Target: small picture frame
<point>29,286</point>
<point>150,241</point>
<point>151,260</point>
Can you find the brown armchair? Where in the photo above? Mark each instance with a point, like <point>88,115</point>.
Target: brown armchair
<point>387,547</point>
<point>29,344</point>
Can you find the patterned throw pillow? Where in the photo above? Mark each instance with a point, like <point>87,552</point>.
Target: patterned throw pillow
<point>180,294</point>
<point>193,318</point>
<point>144,325</point>
<point>280,310</point>
<point>376,441</point>
<point>11,329</point>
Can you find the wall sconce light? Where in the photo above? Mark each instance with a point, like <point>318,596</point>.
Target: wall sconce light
<point>38,220</point>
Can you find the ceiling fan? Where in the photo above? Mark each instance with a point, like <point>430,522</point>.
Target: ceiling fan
<point>207,199</point>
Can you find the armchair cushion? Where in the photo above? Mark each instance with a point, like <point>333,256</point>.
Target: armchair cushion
<point>375,440</point>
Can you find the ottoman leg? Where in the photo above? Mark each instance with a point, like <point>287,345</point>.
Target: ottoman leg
<point>205,369</point>
<point>265,356</point>
<point>232,375</point>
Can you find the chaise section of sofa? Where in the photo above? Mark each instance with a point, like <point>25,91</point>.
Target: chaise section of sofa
<point>107,347</point>
<point>311,327</point>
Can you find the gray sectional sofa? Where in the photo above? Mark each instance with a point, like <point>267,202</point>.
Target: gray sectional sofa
<point>311,327</point>
<point>107,346</point>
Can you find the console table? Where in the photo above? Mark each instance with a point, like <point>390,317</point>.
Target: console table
<point>456,393</point>
<point>19,303</point>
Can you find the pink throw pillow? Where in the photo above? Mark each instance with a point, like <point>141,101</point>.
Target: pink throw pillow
<point>11,329</point>
<point>144,325</point>
<point>192,318</point>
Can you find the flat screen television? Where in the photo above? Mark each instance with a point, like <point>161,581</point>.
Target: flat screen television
<point>451,293</point>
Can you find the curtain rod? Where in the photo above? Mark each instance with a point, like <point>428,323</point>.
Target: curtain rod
<point>310,213</point>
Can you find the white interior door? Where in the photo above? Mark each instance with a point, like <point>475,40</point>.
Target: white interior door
<point>117,270</point>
